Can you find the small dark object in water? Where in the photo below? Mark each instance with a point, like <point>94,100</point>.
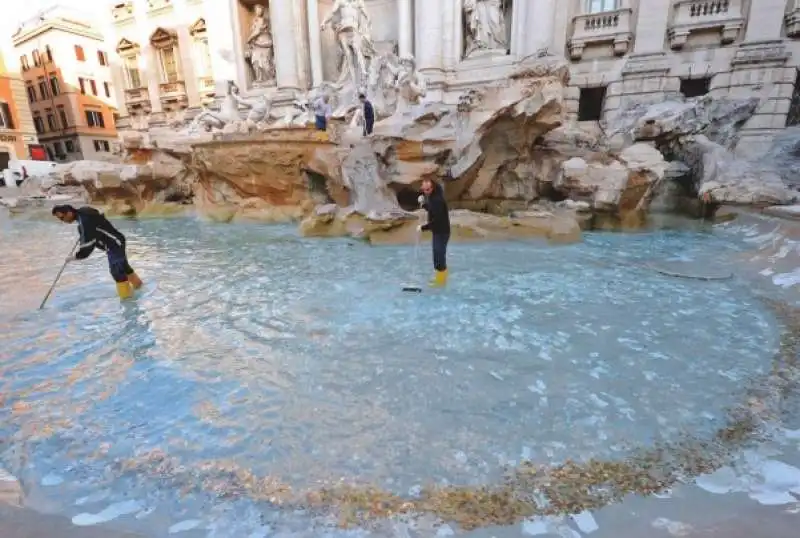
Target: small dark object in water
<point>412,289</point>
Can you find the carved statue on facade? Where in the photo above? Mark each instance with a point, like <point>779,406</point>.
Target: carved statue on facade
<point>410,85</point>
<point>260,50</point>
<point>228,112</point>
<point>382,89</point>
<point>485,25</point>
<point>353,29</point>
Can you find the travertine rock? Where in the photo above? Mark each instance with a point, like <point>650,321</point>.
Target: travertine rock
<point>556,225</point>
<point>10,489</point>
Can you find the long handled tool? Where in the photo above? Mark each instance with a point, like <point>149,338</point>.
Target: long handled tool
<point>415,288</point>
<point>46,297</point>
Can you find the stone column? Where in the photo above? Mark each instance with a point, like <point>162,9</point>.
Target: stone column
<point>314,41</point>
<point>765,21</point>
<point>405,39</point>
<point>227,56</point>
<point>429,35</point>
<point>537,30</point>
<point>285,33</point>
<point>651,26</point>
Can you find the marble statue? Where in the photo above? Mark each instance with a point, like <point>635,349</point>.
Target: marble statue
<point>259,51</point>
<point>485,25</point>
<point>228,112</point>
<point>410,85</point>
<point>382,90</point>
<point>353,29</point>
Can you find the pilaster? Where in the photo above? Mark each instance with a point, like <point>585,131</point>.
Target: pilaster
<point>224,44</point>
<point>286,34</point>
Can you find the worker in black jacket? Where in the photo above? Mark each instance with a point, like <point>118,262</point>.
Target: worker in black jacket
<point>96,232</point>
<point>432,199</point>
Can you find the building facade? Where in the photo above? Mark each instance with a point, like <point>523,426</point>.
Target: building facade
<point>65,67</point>
<point>17,132</point>
<point>620,51</point>
<point>163,63</point>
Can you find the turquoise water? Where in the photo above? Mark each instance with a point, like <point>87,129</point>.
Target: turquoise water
<point>303,360</point>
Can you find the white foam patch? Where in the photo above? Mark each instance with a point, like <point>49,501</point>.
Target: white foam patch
<point>52,480</point>
<point>675,528</point>
<point>767,481</point>
<point>445,530</point>
<point>184,526</point>
<point>110,513</point>
<point>549,525</point>
<point>7,477</point>
<point>787,280</point>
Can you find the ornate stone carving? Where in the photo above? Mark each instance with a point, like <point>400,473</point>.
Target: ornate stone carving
<point>485,26</point>
<point>353,29</point>
<point>410,85</point>
<point>259,51</point>
<point>228,112</point>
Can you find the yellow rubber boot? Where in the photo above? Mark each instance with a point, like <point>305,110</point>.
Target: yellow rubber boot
<point>135,281</point>
<point>124,290</point>
<point>439,279</point>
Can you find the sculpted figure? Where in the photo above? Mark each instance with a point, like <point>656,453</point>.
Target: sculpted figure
<point>259,48</point>
<point>410,85</point>
<point>382,83</point>
<point>485,24</point>
<point>353,34</point>
<point>228,111</point>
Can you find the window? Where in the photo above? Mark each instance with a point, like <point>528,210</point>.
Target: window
<point>102,145</point>
<point>31,93</point>
<point>39,124</point>
<point>590,104</point>
<point>94,86</point>
<point>37,60</point>
<point>70,145</point>
<point>43,89</point>
<point>107,88</point>
<point>169,64</point>
<point>58,150</point>
<point>94,118</point>
<point>82,84</point>
<point>54,85</point>
<point>6,119</point>
<point>132,78</point>
<point>102,58</point>
<point>62,114</point>
<point>79,55</point>
<point>23,62</point>
<point>51,122</point>
<point>49,53</point>
<point>599,6</point>
<point>695,87</point>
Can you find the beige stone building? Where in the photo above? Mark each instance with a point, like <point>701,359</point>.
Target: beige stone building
<point>64,63</point>
<point>163,64</point>
<point>177,53</point>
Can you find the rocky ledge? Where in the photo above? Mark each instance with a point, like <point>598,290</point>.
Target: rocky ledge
<point>506,155</point>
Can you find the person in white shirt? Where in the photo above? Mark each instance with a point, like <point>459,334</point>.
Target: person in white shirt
<point>322,111</point>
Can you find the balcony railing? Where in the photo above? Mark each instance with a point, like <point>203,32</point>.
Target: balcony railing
<point>155,6</point>
<point>601,28</point>
<point>136,95</point>
<point>172,92</point>
<point>206,84</point>
<point>122,13</point>
<point>724,16</point>
<point>793,21</point>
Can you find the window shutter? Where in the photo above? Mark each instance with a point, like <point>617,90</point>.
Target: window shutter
<point>100,121</point>
<point>7,115</point>
<point>89,119</point>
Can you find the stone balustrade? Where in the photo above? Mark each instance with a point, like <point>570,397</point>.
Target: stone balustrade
<point>608,27</point>
<point>172,92</point>
<point>156,6</point>
<point>691,16</point>
<point>136,95</point>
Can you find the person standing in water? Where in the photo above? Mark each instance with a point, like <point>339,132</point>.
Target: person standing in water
<point>432,200</point>
<point>96,232</point>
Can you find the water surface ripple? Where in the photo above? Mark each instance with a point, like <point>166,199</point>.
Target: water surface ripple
<point>303,359</point>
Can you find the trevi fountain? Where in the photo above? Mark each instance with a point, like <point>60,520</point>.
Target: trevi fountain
<point>616,353</point>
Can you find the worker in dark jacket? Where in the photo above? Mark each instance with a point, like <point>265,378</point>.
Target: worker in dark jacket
<point>369,114</point>
<point>96,232</point>
<point>432,199</point>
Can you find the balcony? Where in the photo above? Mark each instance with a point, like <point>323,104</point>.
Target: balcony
<point>607,27</point>
<point>172,93</point>
<point>122,13</point>
<point>689,16</point>
<point>793,21</point>
<point>137,98</point>
<point>206,87</point>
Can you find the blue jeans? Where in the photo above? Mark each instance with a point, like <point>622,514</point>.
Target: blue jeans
<point>439,245</point>
<point>321,122</point>
<point>118,265</point>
